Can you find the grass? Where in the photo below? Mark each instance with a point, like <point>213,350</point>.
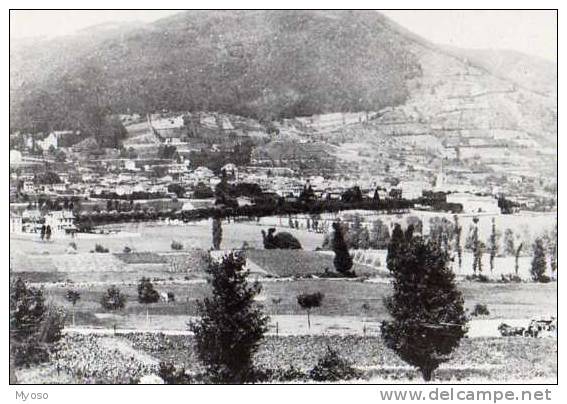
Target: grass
<point>156,237</point>
<point>342,298</point>
<point>286,263</point>
<point>110,268</point>
<point>141,258</point>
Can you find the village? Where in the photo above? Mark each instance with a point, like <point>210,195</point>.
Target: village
<point>53,180</point>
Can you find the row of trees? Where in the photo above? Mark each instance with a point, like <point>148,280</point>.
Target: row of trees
<point>261,208</point>
<point>448,234</point>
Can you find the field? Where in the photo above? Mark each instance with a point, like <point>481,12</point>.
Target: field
<point>127,358</point>
<point>301,263</point>
<point>346,306</point>
<point>157,237</point>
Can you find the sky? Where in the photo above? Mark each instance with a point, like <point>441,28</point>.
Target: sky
<point>527,31</point>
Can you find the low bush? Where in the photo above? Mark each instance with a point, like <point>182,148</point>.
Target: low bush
<point>100,249</point>
<point>177,246</point>
<point>480,310</point>
<point>478,278</point>
<point>172,375</point>
<point>332,367</point>
<point>279,374</point>
<point>52,325</point>
<point>510,278</point>
<point>544,279</point>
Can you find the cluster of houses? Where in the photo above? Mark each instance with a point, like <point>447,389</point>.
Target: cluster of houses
<point>115,174</point>
<point>56,223</point>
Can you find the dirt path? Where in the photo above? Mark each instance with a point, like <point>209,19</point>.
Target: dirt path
<point>293,325</point>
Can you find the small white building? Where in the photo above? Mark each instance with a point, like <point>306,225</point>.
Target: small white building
<point>124,189</point>
<point>203,173</point>
<point>130,165</point>
<point>177,168</point>
<point>50,140</point>
<point>61,221</point>
<point>15,156</point>
<point>15,223</point>
<point>28,187</point>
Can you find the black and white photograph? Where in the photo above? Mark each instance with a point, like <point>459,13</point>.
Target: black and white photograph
<point>282,197</point>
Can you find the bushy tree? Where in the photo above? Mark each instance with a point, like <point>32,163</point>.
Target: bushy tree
<point>231,325</point>
<point>364,239</point>
<point>342,261</point>
<point>27,307</point>
<point>47,177</point>
<point>309,301</point>
<point>509,247</point>
<point>353,234</point>
<point>217,233</point>
<point>33,325</point>
<point>441,231</point>
<point>428,317</point>
<point>380,235</point>
<point>113,299</point>
<point>147,295</point>
<point>353,194</point>
<point>539,263</point>
<point>73,297</point>
<point>416,222</point>
<point>177,189</point>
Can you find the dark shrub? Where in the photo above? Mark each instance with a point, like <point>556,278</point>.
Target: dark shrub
<point>172,375</point>
<point>480,310</point>
<point>175,245</point>
<point>100,249</point>
<point>113,299</point>
<point>510,278</point>
<point>332,367</point>
<point>478,278</point>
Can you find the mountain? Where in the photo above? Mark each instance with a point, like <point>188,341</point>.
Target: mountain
<point>531,72</point>
<point>265,64</point>
<point>284,64</point>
